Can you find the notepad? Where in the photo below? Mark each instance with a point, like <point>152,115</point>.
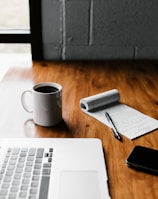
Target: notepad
<point>129,121</point>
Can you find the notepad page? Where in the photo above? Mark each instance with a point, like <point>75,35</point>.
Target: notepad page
<point>128,121</point>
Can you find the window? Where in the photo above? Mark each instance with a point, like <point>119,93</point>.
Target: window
<point>18,34</point>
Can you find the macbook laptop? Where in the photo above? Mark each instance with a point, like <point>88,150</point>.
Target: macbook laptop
<point>52,168</point>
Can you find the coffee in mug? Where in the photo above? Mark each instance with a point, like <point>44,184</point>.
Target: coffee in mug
<point>46,89</point>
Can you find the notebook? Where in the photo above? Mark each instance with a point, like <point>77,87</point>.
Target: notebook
<point>128,121</point>
<point>58,168</point>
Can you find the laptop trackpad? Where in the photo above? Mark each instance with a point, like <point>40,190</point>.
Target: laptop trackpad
<point>79,184</point>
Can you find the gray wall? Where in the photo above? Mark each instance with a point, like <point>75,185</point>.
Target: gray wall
<point>100,29</point>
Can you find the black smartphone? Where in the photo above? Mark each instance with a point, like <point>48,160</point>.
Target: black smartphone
<point>143,158</point>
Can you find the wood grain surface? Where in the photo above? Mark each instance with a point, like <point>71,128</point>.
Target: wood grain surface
<point>137,83</point>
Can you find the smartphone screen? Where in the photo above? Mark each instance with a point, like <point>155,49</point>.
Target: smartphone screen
<point>143,158</point>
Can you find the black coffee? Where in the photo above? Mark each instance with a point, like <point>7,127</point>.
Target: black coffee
<point>46,89</point>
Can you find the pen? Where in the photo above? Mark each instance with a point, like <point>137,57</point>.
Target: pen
<point>113,127</point>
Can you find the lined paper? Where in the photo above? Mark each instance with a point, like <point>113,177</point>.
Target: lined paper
<point>128,121</point>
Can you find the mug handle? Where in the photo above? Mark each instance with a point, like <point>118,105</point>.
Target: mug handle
<point>23,101</point>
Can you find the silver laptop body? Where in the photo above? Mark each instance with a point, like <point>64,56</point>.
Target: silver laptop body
<point>53,168</point>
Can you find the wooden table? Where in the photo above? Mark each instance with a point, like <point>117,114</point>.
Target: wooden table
<point>137,83</point>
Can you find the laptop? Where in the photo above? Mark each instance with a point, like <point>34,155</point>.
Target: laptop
<point>52,168</point>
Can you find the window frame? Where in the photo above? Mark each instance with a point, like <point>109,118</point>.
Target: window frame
<point>32,35</point>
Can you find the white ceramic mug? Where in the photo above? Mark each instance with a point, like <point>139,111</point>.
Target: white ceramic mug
<point>47,103</point>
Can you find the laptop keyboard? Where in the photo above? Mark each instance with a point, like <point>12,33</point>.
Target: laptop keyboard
<point>25,173</point>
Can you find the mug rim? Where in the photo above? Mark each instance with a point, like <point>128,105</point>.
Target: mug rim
<point>53,84</point>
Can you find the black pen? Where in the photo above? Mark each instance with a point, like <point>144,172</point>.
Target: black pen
<point>113,127</point>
